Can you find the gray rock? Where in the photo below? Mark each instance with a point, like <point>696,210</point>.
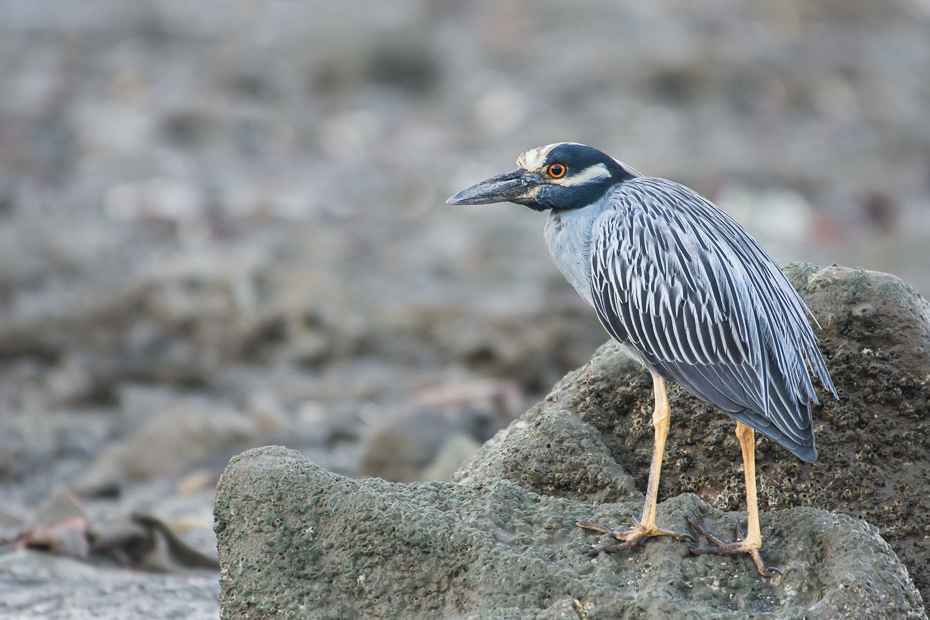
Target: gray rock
<point>191,431</point>
<point>502,542</point>
<point>415,445</point>
<point>298,541</point>
<point>873,442</point>
<point>551,452</point>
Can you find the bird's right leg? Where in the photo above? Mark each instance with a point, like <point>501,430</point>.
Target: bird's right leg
<point>646,526</point>
<point>752,542</point>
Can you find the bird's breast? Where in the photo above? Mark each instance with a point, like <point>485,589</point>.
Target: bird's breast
<point>568,235</point>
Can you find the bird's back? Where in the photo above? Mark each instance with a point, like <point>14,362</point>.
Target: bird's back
<point>675,278</point>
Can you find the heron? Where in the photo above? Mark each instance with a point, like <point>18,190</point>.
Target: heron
<point>687,293</point>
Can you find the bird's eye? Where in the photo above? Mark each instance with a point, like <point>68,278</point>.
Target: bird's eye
<point>557,171</point>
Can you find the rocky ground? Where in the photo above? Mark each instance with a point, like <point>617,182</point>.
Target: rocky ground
<point>872,441</point>
<point>502,542</point>
<point>297,541</point>
<point>222,227</point>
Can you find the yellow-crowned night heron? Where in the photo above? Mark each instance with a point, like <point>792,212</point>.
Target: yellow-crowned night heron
<point>686,292</point>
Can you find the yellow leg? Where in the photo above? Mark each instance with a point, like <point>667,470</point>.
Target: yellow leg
<point>753,539</point>
<point>646,527</point>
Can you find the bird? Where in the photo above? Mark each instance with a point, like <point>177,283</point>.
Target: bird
<point>687,293</point>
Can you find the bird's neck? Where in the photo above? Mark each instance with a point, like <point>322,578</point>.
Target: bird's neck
<point>568,235</point>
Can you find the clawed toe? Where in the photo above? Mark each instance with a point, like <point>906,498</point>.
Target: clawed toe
<point>741,546</point>
<point>629,537</point>
<point>603,529</point>
<point>593,553</point>
<point>699,527</point>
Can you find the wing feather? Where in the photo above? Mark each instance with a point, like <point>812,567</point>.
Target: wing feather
<point>683,284</point>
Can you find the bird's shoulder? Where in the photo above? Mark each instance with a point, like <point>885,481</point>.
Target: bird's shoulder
<point>663,248</point>
<point>657,219</point>
<point>656,216</point>
<point>659,198</point>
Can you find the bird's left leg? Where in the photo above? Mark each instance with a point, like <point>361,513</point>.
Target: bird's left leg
<point>646,526</point>
<point>753,540</point>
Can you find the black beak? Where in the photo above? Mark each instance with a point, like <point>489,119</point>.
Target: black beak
<point>508,187</point>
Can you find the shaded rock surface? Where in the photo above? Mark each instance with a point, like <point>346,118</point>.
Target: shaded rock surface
<point>873,442</point>
<point>298,541</point>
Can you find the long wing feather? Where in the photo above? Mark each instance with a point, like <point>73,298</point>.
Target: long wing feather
<point>677,279</point>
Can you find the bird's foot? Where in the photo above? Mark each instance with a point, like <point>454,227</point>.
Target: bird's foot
<point>742,545</point>
<point>629,537</point>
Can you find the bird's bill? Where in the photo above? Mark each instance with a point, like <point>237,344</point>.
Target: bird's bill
<point>507,187</point>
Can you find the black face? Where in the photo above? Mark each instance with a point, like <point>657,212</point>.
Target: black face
<point>568,176</point>
<point>586,173</point>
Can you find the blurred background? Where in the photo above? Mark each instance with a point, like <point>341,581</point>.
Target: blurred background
<point>222,222</point>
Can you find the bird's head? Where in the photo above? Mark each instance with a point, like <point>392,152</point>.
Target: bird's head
<point>559,176</point>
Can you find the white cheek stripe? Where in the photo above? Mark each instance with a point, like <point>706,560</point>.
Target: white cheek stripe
<point>591,173</point>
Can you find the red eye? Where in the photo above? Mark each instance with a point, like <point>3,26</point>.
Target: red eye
<point>557,171</point>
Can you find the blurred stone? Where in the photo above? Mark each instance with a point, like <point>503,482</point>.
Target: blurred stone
<point>39,585</point>
<point>453,452</point>
<point>30,564</point>
<point>144,542</point>
<point>197,481</point>
<point>331,423</point>
<point>269,414</point>
<point>10,459</point>
<point>38,437</point>
<point>308,348</point>
<point>497,397</point>
<point>404,444</point>
<point>172,441</point>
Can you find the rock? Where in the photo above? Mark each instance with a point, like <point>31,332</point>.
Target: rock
<point>415,445</point>
<point>298,541</point>
<point>551,452</point>
<point>873,442</point>
<point>501,542</point>
<point>449,457</point>
<point>859,309</point>
<point>190,432</point>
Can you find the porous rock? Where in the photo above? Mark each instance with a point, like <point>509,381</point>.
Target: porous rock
<point>297,541</point>
<point>873,441</point>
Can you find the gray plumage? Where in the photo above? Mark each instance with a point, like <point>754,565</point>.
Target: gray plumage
<point>698,301</point>
<point>675,280</point>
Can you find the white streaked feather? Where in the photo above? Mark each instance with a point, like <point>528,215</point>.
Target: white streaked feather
<point>676,279</point>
